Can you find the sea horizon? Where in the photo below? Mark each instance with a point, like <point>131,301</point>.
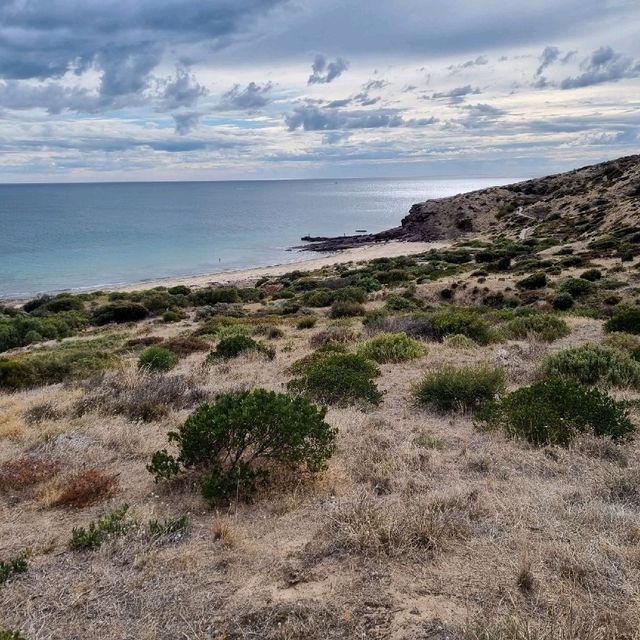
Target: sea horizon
<point>86,236</point>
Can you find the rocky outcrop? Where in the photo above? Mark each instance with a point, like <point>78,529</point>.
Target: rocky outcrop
<point>579,202</point>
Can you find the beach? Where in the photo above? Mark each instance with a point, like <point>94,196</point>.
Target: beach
<point>359,254</point>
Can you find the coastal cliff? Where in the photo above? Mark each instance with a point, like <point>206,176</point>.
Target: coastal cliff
<point>575,204</point>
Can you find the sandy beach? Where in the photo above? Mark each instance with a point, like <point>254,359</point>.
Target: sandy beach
<point>360,254</point>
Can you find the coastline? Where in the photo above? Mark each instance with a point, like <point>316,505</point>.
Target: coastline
<point>388,249</point>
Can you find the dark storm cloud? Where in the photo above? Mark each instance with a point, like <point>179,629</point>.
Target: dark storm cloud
<point>184,91</point>
<point>253,96</point>
<point>123,42</point>
<point>324,72</point>
<point>456,95</point>
<point>604,65</point>
<point>310,117</point>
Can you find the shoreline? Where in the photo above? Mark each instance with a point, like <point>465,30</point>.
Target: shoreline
<point>389,249</point>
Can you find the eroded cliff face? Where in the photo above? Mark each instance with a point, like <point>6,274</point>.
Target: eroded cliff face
<point>577,204</point>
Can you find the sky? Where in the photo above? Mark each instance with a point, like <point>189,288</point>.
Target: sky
<point>110,90</point>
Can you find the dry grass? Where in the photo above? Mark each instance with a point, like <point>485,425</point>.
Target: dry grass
<point>23,473</point>
<point>422,527</point>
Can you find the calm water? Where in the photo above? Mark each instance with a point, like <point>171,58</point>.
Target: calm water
<point>76,236</point>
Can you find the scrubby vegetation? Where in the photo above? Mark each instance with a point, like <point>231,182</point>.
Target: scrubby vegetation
<point>235,440</point>
<point>391,347</point>
<point>537,326</point>
<point>555,411</point>
<point>157,359</point>
<point>459,389</point>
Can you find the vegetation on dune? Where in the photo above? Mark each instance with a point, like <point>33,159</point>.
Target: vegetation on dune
<point>234,345</point>
<point>157,359</point>
<point>544,327</point>
<point>391,347</point>
<point>236,440</point>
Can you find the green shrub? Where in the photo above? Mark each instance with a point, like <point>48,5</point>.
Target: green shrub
<point>576,287</point>
<point>318,298</point>
<point>460,389</point>
<point>392,347</point>
<point>400,303</point>
<point>15,375</point>
<point>8,634</point>
<point>308,322</point>
<point>119,312</point>
<point>9,568</point>
<point>540,326</point>
<point>463,322</point>
<point>99,531</point>
<point>594,364</point>
<point>215,295</point>
<point>562,301</point>
<point>622,341</point>
<point>301,365</point>
<point>20,331</point>
<point>458,341</point>
<point>157,359</point>
<point>158,529</point>
<point>172,316</point>
<point>236,440</point>
<point>179,290</point>
<point>591,274</point>
<point>234,345</point>
<point>626,319</point>
<point>341,379</point>
<point>351,294</point>
<point>392,276</point>
<point>554,411</point>
<point>534,281</point>
<point>346,309</point>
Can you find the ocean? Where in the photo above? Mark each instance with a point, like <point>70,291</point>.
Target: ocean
<point>56,237</point>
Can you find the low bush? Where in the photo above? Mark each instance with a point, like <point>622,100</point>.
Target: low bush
<point>392,276</point>
<point>307,322</point>
<point>333,336</point>
<point>346,309</point>
<point>460,389</point>
<point>318,298</point>
<point>562,301</point>
<point>391,347</point>
<point>233,346</point>
<point>14,566</point>
<point>85,488</point>
<point>458,341</point>
<point>236,440</point>
<point>41,412</point>
<point>534,281</point>
<point>25,472</point>
<point>179,290</point>
<point>463,322</point>
<point>99,531</point>
<point>623,341</point>
<point>185,346</point>
<point>576,287</point>
<point>15,375</point>
<point>591,274</point>
<point>214,295</point>
<point>416,325</point>
<point>593,364</point>
<point>540,326</point>
<point>157,359</point>
<point>351,294</point>
<point>119,312</point>
<point>555,411</point>
<point>341,379</point>
<point>400,303</point>
<point>626,319</point>
<point>23,330</point>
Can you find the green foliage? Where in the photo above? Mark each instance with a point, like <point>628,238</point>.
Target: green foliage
<point>179,290</point>
<point>215,295</point>
<point>554,411</point>
<point>622,341</point>
<point>15,375</point>
<point>234,345</point>
<point>461,321</point>
<point>236,440</point>
<point>99,531</point>
<point>20,331</point>
<point>346,309</point>
<point>18,564</point>
<point>626,319</point>
<point>541,326</point>
<point>392,347</point>
<point>562,301</point>
<point>392,276</point>
<point>594,364</point>
<point>400,303</point>
<point>119,312</point>
<point>318,298</point>
<point>8,634</point>
<point>307,322</point>
<point>591,274</point>
<point>157,359</point>
<point>576,287</point>
<point>342,379</point>
<point>460,389</point>
<point>534,281</point>
<point>157,529</point>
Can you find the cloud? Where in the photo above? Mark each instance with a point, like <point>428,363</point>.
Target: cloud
<point>325,72</point>
<point>186,122</point>
<point>310,117</point>
<point>604,65</point>
<point>548,57</point>
<point>476,62</point>
<point>184,91</point>
<point>253,96</point>
<point>456,95</point>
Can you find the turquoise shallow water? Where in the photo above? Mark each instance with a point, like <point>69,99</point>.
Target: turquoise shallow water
<point>77,236</point>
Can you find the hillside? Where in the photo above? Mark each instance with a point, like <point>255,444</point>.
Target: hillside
<point>576,205</point>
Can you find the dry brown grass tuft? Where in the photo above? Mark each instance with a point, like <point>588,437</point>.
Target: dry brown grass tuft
<point>26,472</point>
<point>41,412</point>
<point>85,488</point>
<point>185,346</point>
<point>333,335</point>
